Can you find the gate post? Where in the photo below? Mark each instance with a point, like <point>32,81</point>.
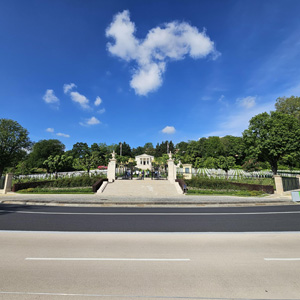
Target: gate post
<point>278,184</point>
<point>171,169</point>
<point>111,168</point>
<point>8,183</point>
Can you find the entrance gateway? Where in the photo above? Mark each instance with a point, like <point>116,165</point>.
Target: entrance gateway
<point>141,187</point>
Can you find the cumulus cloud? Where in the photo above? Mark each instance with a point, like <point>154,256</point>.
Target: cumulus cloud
<point>68,87</point>
<point>80,99</point>
<point>98,101</point>
<point>172,41</point>
<point>63,135</point>
<point>169,130</point>
<point>50,98</point>
<point>247,102</point>
<point>91,121</point>
<point>50,129</point>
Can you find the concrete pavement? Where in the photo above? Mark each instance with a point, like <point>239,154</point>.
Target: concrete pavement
<point>96,199</point>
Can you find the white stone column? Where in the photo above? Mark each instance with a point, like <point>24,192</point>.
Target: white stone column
<point>171,169</point>
<point>111,168</point>
<point>278,184</point>
<point>8,183</point>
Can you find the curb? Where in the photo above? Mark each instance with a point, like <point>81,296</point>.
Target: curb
<point>164,203</point>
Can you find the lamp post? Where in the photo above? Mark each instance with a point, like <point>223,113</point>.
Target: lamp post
<point>120,149</point>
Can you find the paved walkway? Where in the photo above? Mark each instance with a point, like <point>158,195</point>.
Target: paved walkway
<point>96,199</point>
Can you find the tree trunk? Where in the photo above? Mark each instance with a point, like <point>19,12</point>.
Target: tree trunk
<point>274,167</point>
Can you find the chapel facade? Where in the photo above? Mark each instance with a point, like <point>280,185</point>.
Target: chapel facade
<point>144,161</point>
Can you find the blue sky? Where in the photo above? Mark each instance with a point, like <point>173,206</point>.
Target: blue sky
<point>145,71</point>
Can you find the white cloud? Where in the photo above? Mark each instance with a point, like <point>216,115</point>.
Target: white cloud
<point>50,129</point>
<point>98,101</point>
<point>247,102</point>
<point>50,98</point>
<point>101,111</point>
<point>172,41</point>
<point>69,87</point>
<point>91,121</point>
<point>80,99</point>
<point>169,130</point>
<point>63,135</point>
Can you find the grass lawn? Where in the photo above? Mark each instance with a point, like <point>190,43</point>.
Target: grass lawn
<point>77,190</point>
<point>226,193</point>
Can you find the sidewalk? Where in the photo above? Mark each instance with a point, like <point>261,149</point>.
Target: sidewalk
<point>102,200</point>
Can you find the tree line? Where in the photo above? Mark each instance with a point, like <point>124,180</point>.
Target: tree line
<point>271,140</point>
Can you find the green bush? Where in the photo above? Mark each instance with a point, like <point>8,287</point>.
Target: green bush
<point>204,182</point>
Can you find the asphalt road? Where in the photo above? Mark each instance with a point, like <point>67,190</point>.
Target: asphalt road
<point>80,266</point>
<point>95,219</point>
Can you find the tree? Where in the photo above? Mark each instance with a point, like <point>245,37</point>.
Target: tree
<point>290,106</point>
<point>163,148</point>
<point>43,149</point>
<point>271,136</point>
<point>225,163</point>
<point>213,147</point>
<point>14,141</point>
<point>234,146</point>
<point>57,162</point>
<point>126,149</point>
<point>79,150</point>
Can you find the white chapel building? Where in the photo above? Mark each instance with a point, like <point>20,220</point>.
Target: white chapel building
<point>144,161</point>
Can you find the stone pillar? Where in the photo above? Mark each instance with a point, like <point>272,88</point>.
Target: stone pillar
<point>278,185</point>
<point>8,183</point>
<point>171,169</point>
<point>111,169</point>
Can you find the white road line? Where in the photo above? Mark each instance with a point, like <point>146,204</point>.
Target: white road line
<point>123,296</point>
<point>150,214</point>
<point>282,259</point>
<point>103,259</point>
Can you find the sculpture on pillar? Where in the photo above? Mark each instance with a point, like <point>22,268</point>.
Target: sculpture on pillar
<point>170,155</point>
<point>113,155</point>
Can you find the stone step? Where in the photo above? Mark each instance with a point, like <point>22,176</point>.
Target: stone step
<point>141,188</point>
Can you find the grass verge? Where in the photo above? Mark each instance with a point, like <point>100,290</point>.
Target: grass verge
<point>226,193</point>
<point>87,190</point>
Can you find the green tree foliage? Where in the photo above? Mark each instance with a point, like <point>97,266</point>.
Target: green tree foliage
<point>271,136</point>
<point>14,142</point>
<point>88,161</point>
<point>79,150</point>
<point>42,150</point>
<point>57,162</point>
<point>225,163</point>
<point>138,151</point>
<point>290,106</point>
<point>126,149</point>
<point>213,147</point>
<point>163,147</point>
<point>234,146</point>
<point>210,163</point>
<point>149,149</point>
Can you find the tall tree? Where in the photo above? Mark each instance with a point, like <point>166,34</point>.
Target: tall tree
<point>43,149</point>
<point>271,136</point>
<point>290,106</point>
<point>126,149</point>
<point>234,146</point>
<point>80,150</point>
<point>14,141</point>
<point>164,148</point>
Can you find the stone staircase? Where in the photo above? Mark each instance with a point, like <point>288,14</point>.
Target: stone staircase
<point>142,188</point>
